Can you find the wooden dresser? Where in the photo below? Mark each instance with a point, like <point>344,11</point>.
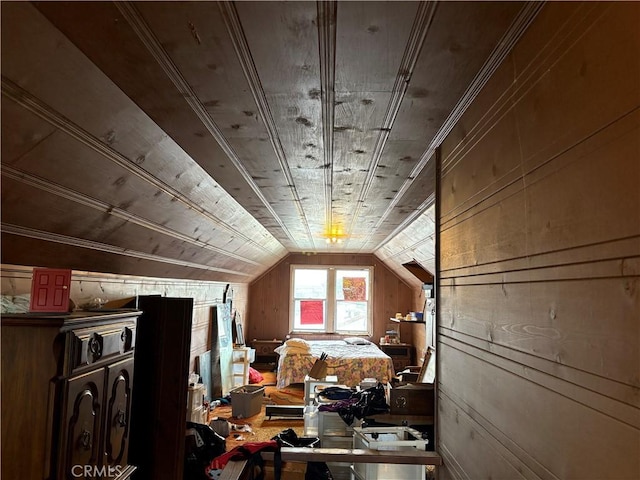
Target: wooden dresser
<point>265,354</point>
<point>400,353</point>
<point>66,394</point>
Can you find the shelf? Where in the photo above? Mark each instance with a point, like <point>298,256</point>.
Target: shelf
<point>403,320</point>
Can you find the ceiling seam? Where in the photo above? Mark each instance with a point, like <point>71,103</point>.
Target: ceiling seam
<point>504,47</point>
<point>327,18</point>
<point>117,212</point>
<point>103,247</point>
<point>39,108</point>
<point>240,45</point>
<point>419,29</point>
<point>153,45</point>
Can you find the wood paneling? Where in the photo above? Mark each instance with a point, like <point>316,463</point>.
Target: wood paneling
<point>120,289</point>
<point>415,243</point>
<point>419,341</point>
<point>538,339</point>
<point>94,167</point>
<point>268,306</point>
<point>190,137</point>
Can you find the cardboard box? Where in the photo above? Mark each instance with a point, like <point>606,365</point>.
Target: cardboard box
<point>412,399</point>
<point>246,401</point>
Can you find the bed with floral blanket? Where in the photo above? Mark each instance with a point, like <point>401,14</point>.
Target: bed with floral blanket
<point>351,361</point>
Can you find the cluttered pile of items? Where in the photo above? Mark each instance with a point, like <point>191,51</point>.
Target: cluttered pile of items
<point>371,415</point>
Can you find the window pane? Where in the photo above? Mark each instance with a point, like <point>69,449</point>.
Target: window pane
<point>352,290</point>
<point>310,295</point>
<point>310,283</point>
<point>351,316</point>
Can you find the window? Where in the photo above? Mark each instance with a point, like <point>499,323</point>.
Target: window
<point>331,299</point>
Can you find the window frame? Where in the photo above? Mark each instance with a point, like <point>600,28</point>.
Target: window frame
<point>330,300</point>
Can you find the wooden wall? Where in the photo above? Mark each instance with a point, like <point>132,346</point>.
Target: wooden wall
<point>538,341</point>
<point>268,306</point>
<point>85,286</point>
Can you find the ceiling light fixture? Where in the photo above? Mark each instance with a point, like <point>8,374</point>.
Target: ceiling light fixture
<point>334,235</point>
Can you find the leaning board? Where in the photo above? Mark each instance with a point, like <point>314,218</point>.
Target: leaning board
<point>204,370</point>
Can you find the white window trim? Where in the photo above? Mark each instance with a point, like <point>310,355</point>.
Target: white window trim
<point>331,301</point>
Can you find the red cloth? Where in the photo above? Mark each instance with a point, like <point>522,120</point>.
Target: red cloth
<point>255,376</point>
<point>241,451</point>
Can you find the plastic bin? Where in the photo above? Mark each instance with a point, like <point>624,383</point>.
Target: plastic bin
<point>310,421</point>
<point>197,415</point>
<point>388,438</point>
<point>246,401</point>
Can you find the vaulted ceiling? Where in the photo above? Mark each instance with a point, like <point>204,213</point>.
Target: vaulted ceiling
<point>208,139</point>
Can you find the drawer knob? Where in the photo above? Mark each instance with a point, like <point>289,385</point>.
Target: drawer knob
<point>121,418</point>
<point>126,339</point>
<point>94,348</point>
<point>85,439</point>
<point>401,402</point>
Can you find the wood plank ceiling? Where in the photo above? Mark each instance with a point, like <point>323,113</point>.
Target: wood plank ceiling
<point>208,139</point>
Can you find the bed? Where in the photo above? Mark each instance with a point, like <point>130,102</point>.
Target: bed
<point>350,362</point>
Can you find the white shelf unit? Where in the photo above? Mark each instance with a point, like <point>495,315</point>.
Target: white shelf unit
<point>242,359</point>
<point>310,385</point>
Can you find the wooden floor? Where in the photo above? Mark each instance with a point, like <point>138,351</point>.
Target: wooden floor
<point>264,428</point>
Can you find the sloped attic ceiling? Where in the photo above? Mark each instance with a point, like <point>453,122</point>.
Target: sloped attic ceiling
<point>208,139</point>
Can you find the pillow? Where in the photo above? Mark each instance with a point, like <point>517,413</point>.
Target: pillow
<point>284,350</point>
<point>357,341</point>
<point>298,343</point>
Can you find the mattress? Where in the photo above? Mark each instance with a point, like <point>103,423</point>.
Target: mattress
<point>350,363</point>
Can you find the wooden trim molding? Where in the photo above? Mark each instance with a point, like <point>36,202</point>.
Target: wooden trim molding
<point>103,247</point>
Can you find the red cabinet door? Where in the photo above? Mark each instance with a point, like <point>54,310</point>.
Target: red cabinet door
<point>50,290</point>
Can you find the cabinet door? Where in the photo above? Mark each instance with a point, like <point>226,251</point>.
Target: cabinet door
<point>118,412</point>
<point>81,425</point>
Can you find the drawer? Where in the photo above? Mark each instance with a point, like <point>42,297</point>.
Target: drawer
<point>100,344</point>
<point>265,347</point>
<point>244,355</point>
<point>330,423</point>
<point>400,364</point>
